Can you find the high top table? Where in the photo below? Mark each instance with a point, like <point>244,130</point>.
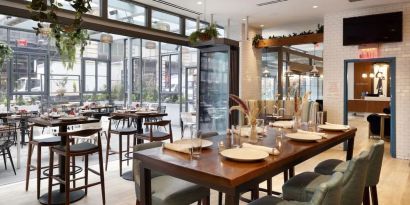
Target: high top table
<point>231,177</point>
<point>59,195</point>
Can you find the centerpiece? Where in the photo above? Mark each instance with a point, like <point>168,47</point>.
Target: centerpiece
<point>251,114</point>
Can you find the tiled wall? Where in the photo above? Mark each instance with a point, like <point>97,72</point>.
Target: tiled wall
<point>249,62</point>
<point>335,54</point>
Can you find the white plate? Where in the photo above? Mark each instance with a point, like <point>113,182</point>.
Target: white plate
<point>333,127</point>
<point>306,137</point>
<point>244,154</point>
<point>282,124</point>
<point>205,143</point>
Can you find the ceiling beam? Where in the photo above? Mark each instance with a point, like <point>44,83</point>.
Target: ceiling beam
<point>96,23</point>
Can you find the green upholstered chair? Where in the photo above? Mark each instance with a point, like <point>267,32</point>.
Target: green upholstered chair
<point>302,186</point>
<point>167,190</point>
<point>373,172</point>
<point>326,193</point>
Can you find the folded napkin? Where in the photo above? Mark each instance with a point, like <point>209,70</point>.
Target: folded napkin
<point>282,124</point>
<point>246,131</point>
<point>323,135</point>
<point>270,150</point>
<point>184,148</point>
<point>338,125</point>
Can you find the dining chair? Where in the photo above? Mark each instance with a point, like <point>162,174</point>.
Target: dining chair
<point>326,193</point>
<point>167,190</point>
<point>82,149</point>
<point>188,121</point>
<point>302,186</point>
<point>157,135</point>
<point>7,136</point>
<point>376,152</point>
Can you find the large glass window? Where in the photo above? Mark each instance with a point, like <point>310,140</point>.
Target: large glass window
<point>126,12</point>
<point>190,26</point>
<point>165,22</point>
<point>3,87</point>
<point>150,71</point>
<point>117,71</point>
<point>95,80</point>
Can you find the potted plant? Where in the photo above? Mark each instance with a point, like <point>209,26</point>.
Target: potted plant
<point>5,53</point>
<point>204,34</point>
<point>67,37</point>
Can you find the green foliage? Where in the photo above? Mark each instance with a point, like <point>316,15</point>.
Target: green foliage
<point>256,39</point>
<point>203,34</point>
<point>319,29</point>
<point>5,52</point>
<point>67,36</point>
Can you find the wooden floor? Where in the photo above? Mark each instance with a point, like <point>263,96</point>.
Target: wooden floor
<point>394,186</point>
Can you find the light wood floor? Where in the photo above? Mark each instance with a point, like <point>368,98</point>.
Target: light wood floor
<point>394,186</point>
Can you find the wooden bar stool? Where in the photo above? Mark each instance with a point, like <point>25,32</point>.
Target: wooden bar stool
<point>82,149</point>
<point>40,141</point>
<point>156,135</point>
<point>128,131</point>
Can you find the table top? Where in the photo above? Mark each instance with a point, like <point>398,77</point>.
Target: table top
<point>139,114</point>
<point>19,116</point>
<point>56,122</point>
<point>214,171</point>
<point>101,106</point>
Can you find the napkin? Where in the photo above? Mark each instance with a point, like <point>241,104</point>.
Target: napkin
<point>338,125</point>
<point>184,148</point>
<point>246,131</point>
<point>282,124</point>
<point>323,135</point>
<point>270,150</point>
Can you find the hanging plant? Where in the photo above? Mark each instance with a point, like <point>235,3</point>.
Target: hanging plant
<point>5,53</point>
<point>256,39</point>
<point>67,37</point>
<point>204,34</point>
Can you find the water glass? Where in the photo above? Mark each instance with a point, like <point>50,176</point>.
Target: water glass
<point>260,123</point>
<point>236,135</point>
<point>320,118</point>
<point>196,142</point>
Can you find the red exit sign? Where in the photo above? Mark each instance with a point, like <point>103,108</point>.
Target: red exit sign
<point>22,42</point>
<point>369,51</point>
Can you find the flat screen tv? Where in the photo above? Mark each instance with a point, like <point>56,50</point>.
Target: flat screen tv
<point>379,28</point>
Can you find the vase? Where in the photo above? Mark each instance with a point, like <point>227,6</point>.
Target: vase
<point>253,138</point>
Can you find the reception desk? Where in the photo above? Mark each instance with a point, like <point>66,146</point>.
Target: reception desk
<point>370,106</point>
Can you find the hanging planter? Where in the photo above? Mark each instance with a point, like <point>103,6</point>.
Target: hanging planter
<point>5,53</point>
<point>204,34</point>
<point>67,37</point>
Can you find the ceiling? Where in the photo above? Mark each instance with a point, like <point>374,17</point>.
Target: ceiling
<point>277,14</point>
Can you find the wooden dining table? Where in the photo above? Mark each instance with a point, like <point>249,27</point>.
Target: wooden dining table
<point>58,196</point>
<point>138,117</point>
<point>232,177</point>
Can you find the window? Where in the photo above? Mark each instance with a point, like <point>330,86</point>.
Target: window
<point>165,22</point>
<point>190,26</point>
<point>150,71</point>
<point>126,12</point>
<point>95,6</point>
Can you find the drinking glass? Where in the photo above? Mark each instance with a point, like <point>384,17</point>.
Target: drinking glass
<point>236,135</point>
<point>320,118</point>
<point>196,141</point>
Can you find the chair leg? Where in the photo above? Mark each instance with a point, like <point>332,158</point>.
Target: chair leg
<point>102,175</point>
<point>50,176</point>
<point>30,148</point>
<point>375,200</point>
<point>11,161</point>
<point>220,195</point>
<point>86,174</point>
<point>107,152</point>
<point>128,149</point>
<point>366,197</point>
<point>206,200</point>
<point>73,170</point>
<point>120,153</point>
<point>38,170</point>
<point>269,186</point>
<point>67,180</point>
<point>4,158</point>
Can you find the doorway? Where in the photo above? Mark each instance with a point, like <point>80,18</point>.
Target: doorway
<point>369,89</point>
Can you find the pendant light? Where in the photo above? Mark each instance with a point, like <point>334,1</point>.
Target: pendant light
<point>315,72</point>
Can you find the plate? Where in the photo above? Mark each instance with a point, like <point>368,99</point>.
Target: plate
<point>205,143</point>
<point>333,127</point>
<point>305,137</point>
<point>244,154</point>
<point>282,124</point>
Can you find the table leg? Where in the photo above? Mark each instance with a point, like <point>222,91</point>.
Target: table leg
<point>59,195</point>
<point>145,185</point>
<point>232,199</point>
<point>382,127</point>
<point>18,151</point>
<point>350,146</point>
<point>23,132</point>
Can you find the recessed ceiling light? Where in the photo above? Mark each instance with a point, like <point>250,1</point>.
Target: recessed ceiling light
<point>262,25</point>
<point>315,7</point>
<point>244,19</point>
<point>199,2</point>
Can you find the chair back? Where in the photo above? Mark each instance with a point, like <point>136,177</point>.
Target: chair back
<point>330,192</point>
<point>8,132</point>
<point>354,179</point>
<point>187,117</point>
<point>161,123</point>
<point>375,163</point>
<point>136,165</point>
<point>80,133</point>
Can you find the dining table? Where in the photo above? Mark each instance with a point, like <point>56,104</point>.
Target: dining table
<point>235,177</point>
<point>136,116</point>
<point>58,196</point>
<point>99,108</point>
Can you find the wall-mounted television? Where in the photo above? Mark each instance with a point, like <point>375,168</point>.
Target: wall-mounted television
<point>379,28</point>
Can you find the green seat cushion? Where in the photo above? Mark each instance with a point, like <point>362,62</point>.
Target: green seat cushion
<point>331,166</point>
<point>302,186</point>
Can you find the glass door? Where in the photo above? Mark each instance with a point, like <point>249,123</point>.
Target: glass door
<point>95,81</point>
<point>190,91</point>
<point>170,86</point>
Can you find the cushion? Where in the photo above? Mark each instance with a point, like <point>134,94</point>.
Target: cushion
<point>330,166</point>
<point>81,147</point>
<point>155,134</point>
<point>271,200</point>
<point>302,186</point>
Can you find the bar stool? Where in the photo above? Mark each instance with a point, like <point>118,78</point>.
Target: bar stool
<point>44,140</point>
<point>82,149</point>
<point>154,136</point>
<point>120,132</point>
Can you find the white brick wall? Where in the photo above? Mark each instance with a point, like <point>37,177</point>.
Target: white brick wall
<point>335,54</point>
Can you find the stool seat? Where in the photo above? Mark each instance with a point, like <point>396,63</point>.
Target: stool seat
<point>47,140</point>
<point>81,147</point>
<point>125,131</point>
<point>155,134</point>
